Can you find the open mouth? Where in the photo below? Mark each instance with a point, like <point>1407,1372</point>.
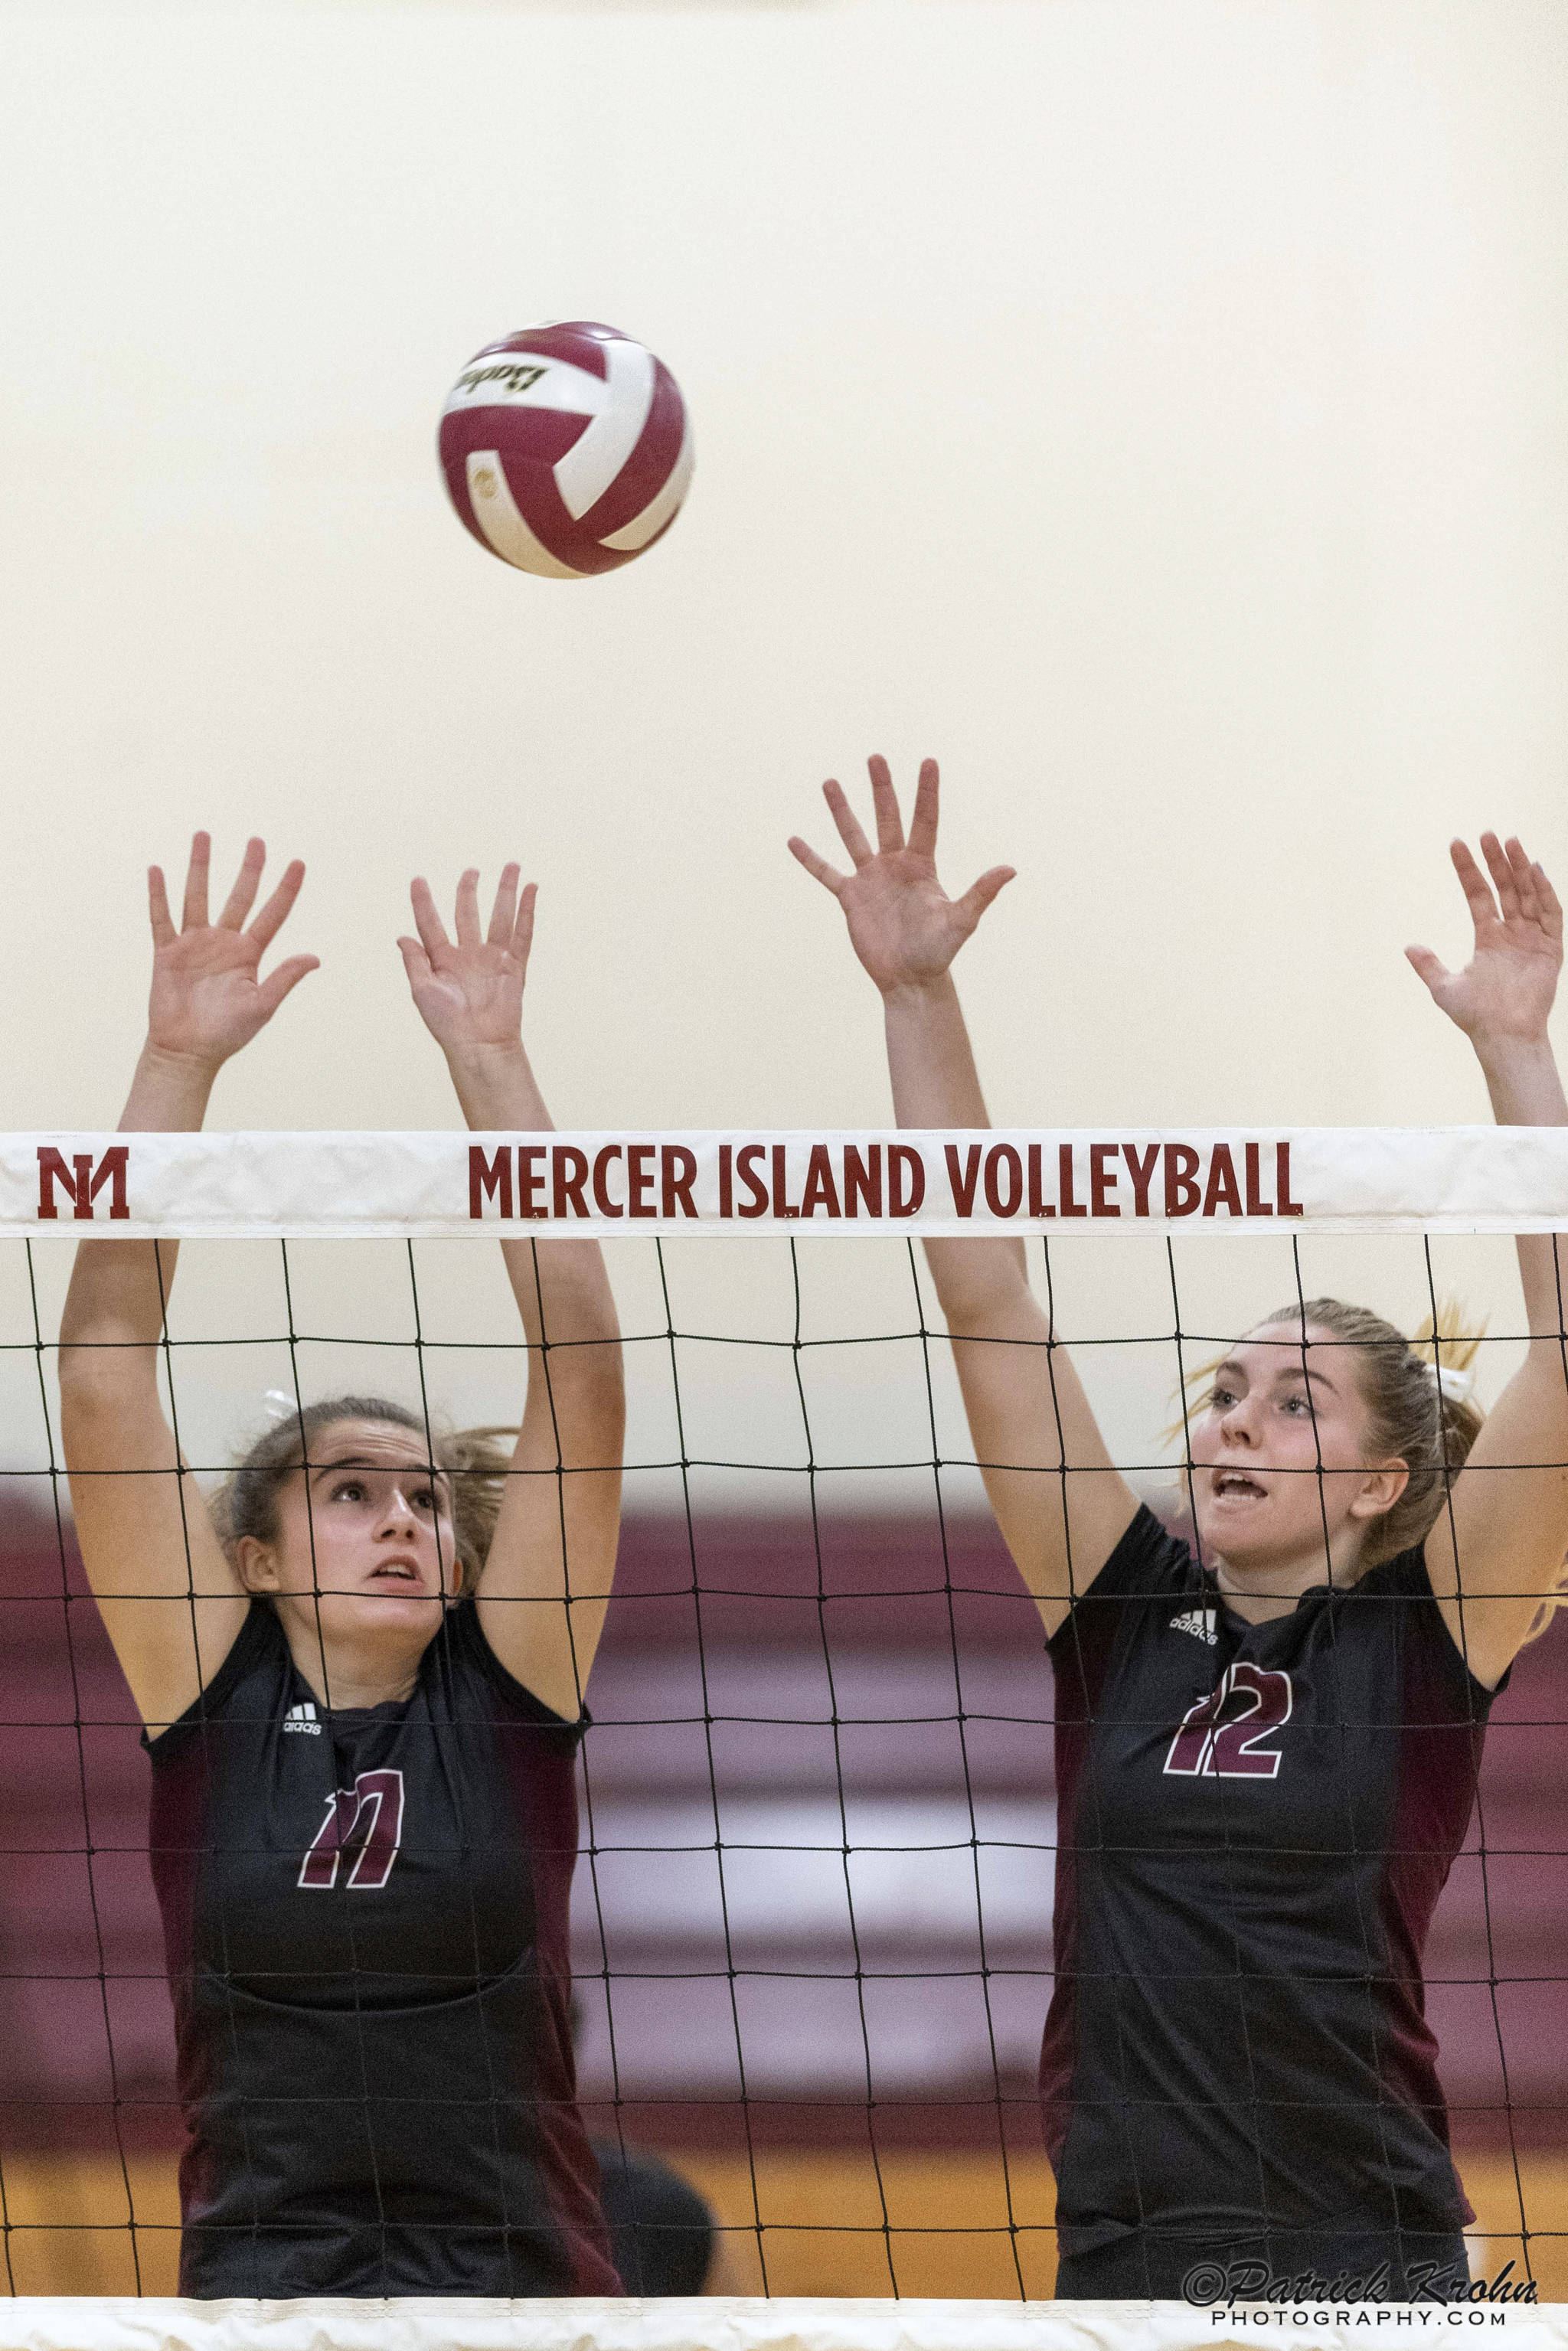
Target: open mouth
<point>394,1572</point>
<point>1235,1486</point>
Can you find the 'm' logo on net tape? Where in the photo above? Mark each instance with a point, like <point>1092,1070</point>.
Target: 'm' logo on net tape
<point>83,1178</point>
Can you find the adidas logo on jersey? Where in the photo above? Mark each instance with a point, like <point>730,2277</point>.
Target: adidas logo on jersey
<point>303,1717</point>
<point>1199,1622</point>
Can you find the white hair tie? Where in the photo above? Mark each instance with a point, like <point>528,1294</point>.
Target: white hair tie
<point>280,1406</point>
<point>1456,1385</point>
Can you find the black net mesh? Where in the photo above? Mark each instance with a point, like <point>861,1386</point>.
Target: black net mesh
<point>813,1915</point>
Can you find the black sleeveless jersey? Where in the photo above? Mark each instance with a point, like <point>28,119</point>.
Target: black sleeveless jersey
<point>365,1919</point>
<point>1255,1823</point>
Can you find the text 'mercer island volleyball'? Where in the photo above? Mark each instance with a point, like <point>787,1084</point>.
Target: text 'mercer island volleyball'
<point>566,448</point>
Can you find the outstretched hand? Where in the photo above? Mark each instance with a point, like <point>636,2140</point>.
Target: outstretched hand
<point>903,924</point>
<point>207,999</point>
<point>1506,990</point>
<point>470,993</point>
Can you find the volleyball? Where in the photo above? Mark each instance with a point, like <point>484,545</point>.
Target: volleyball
<point>566,448</point>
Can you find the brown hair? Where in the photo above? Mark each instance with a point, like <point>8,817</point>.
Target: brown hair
<point>472,1459</point>
<point>1411,1418</point>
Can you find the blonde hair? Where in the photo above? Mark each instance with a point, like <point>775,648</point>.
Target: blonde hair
<point>472,1459</point>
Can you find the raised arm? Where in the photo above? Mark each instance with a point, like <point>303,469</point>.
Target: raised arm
<point>1501,1547</point>
<point>171,1602</point>
<point>545,1584</point>
<point>1058,1498</point>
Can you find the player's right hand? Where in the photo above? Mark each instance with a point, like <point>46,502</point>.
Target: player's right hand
<point>207,999</point>
<point>469,991</point>
<point>903,924</point>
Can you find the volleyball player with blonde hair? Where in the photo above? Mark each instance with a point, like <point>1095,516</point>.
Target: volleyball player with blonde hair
<point>1266,1753</point>
<point>361,1679</point>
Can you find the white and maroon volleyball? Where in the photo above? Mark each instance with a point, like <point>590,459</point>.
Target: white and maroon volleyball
<point>566,448</point>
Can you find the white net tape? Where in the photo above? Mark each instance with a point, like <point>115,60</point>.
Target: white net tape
<point>745,2324</point>
<point>1328,1179</point>
<point>1480,1179</point>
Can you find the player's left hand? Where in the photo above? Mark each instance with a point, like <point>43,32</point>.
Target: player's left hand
<point>1505,991</point>
<point>470,993</point>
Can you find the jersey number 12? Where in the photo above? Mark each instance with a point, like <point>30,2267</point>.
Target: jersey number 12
<point>1219,1739</point>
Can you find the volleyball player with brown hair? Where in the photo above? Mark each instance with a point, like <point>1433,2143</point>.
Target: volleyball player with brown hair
<point>361,1679</point>
<point>1266,1753</point>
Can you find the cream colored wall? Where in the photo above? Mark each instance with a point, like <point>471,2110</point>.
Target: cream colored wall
<point>1155,410</point>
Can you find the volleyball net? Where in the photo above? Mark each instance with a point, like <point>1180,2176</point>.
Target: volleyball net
<point>812,1912</point>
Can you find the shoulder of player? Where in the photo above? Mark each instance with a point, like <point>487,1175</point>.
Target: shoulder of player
<point>260,1652</point>
<point>1438,1672</point>
<point>1150,1572</point>
<point>1149,1561</point>
<point>1403,1577</point>
<point>461,1649</point>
